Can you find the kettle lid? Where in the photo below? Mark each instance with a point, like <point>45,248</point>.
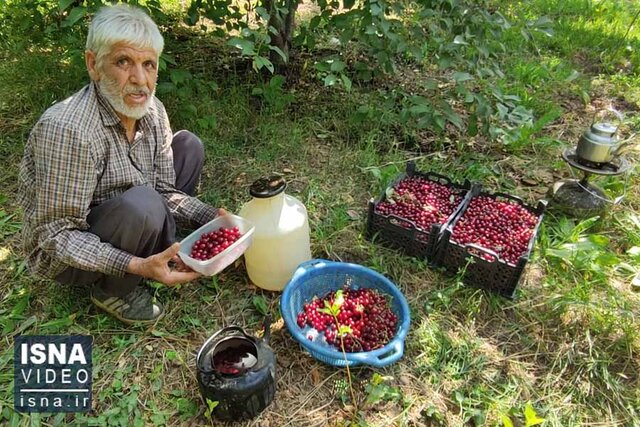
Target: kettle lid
<point>602,132</point>
<point>604,128</point>
<point>267,186</point>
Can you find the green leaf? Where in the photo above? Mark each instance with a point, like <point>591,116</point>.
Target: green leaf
<point>158,419</point>
<point>260,61</point>
<point>348,4</point>
<point>260,304</point>
<point>462,77</point>
<point>277,81</point>
<point>344,330</point>
<point>165,88</point>
<point>546,31</point>
<point>179,76</point>
<point>322,66</point>
<point>330,80</point>
<point>430,84</point>
<point>262,12</point>
<point>376,173</point>
<point>169,58</point>
<point>330,309</point>
<point>506,421</point>
<point>452,116</point>
<point>56,324</point>
<point>339,299</point>
<point>64,4</point>
<point>571,77</point>
<point>599,240</point>
<point>420,109</point>
<point>211,404</point>
<point>20,306</point>
<point>346,82</point>
<point>377,379</point>
<point>543,21</point>
<point>337,66</point>
<point>246,46</point>
<point>530,416</point>
<point>459,40</point>
<point>75,15</point>
<point>375,395</point>
<point>187,408</point>
<point>279,52</point>
<point>209,122</point>
<point>191,109</point>
<point>25,325</point>
<point>315,22</point>
<point>472,125</point>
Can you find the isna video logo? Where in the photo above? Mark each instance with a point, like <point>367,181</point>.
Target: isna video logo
<point>52,373</point>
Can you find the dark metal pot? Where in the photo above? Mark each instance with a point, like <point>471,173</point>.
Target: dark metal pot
<point>237,371</point>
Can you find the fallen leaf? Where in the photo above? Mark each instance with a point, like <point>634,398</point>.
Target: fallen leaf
<point>354,215</point>
<point>315,376</point>
<point>287,170</point>
<point>405,380</point>
<point>529,181</point>
<point>544,176</point>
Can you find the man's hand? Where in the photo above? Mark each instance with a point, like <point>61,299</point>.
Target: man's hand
<point>156,267</point>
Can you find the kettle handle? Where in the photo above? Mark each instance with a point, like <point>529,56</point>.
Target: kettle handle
<point>612,110</point>
<point>266,324</point>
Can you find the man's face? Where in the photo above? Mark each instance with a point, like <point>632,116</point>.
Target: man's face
<point>127,78</point>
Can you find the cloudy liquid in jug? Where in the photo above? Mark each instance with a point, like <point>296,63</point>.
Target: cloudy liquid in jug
<point>272,259</point>
<point>280,240</point>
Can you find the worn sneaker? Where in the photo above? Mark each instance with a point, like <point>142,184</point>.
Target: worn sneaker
<point>137,307</point>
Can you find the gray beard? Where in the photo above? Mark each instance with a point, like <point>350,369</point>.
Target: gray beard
<point>111,92</point>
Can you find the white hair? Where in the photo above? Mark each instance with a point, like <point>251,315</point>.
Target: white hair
<point>122,24</point>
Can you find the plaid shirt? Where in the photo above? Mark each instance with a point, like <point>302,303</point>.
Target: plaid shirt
<point>78,156</point>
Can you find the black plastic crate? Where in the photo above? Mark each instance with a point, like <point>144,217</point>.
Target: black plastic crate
<point>403,234</point>
<point>493,273</point>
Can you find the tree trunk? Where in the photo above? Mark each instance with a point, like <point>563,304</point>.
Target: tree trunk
<point>284,26</point>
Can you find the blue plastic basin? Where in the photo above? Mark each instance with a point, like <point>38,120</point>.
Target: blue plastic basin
<point>318,277</point>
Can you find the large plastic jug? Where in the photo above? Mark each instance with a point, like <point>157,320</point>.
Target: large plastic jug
<point>281,237</point>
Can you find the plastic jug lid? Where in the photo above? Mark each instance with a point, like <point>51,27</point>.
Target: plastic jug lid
<point>268,186</point>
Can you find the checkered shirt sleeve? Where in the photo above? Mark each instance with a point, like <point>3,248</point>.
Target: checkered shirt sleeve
<point>65,176</point>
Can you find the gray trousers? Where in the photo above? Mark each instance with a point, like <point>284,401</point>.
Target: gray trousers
<point>139,220</point>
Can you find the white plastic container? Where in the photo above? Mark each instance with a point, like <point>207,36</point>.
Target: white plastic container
<point>281,239</point>
<point>214,265</point>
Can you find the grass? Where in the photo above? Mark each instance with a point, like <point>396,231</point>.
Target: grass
<point>568,345</point>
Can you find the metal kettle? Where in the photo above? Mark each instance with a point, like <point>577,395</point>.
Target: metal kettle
<point>247,385</point>
<point>600,144</point>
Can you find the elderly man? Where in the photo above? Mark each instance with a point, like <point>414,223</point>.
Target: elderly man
<point>103,179</point>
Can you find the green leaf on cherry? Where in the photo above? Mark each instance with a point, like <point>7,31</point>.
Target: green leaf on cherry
<point>344,330</point>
